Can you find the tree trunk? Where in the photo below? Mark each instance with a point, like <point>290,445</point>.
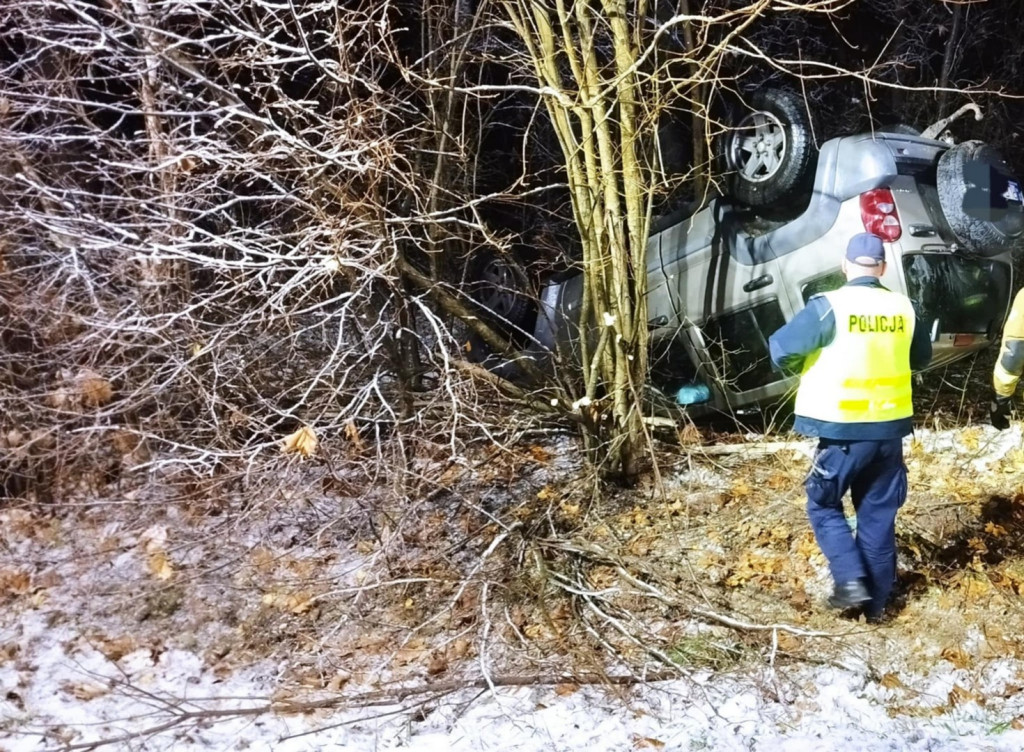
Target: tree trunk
<point>950,56</point>
<point>596,109</point>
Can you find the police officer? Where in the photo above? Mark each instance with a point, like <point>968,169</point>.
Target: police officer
<point>1010,365</point>
<point>855,349</point>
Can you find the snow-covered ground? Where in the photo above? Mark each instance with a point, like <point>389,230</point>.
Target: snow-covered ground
<point>64,685</point>
<point>67,694</point>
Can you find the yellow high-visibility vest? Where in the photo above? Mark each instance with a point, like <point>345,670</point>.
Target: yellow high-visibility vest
<point>863,375</point>
<point>1006,375</point>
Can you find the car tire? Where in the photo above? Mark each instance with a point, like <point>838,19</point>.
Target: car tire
<point>768,151</point>
<point>499,287</point>
<point>981,199</point>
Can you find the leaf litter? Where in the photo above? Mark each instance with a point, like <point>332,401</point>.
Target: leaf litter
<point>289,623</point>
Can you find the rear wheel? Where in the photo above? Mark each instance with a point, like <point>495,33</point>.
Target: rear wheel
<point>768,152</point>
<point>981,199</point>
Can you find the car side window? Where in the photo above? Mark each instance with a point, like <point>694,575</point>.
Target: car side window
<point>738,345</point>
<point>825,283</point>
<point>966,295</point>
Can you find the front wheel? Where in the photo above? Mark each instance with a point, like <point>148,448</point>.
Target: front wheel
<point>499,287</point>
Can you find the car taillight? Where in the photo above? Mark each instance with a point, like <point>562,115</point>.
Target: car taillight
<point>878,213</point>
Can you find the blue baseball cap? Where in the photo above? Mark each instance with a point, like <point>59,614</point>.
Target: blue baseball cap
<point>865,249</point>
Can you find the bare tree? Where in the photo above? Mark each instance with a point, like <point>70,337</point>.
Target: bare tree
<point>606,72</point>
<point>585,60</point>
<point>215,220</point>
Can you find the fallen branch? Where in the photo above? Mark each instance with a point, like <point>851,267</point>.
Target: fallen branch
<point>451,303</point>
<point>756,448</point>
<point>936,128</point>
<point>728,621</point>
<point>512,390</point>
<point>370,699</point>
<point>657,421</point>
<point>604,557</point>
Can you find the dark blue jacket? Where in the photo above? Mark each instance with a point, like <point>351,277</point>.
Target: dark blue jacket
<point>812,329</point>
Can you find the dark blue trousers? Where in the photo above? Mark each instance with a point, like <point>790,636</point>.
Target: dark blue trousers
<point>874,473</point>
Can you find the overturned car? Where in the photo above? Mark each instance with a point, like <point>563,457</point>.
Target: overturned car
<point>724,277</point>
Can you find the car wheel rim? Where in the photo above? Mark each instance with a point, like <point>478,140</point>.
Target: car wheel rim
<point>758,147</point>
<point>499,289</point>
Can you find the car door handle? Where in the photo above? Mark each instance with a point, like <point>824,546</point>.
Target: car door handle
<point>758,282</point>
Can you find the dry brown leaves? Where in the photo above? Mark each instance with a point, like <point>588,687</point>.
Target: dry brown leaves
<point>434,659</point>
<point>647,742</point>
<point>756,566</point>
<point>14,582</point>
<point>302,442</point>
<point>956,655</point>
<point>352,434</point>
<point>289,601</point>
<point>158,561</point>
<point>85,389</point>
<point>85,691</point>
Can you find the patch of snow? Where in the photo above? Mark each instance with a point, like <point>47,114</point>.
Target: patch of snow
<point>702,477</point>
<point>69,692</point>
<point>59,686</point>
<point>992,444</point>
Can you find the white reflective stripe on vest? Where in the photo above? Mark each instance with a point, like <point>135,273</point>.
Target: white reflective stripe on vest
<point>863,375</point>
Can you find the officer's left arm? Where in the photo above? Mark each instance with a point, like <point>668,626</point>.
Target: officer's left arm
<point>920,346</point>
<point>809,330</point>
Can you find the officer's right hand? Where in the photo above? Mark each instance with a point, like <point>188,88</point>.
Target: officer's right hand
<point>999,413</point>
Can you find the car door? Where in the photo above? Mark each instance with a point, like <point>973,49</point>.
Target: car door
<point>722,300</point>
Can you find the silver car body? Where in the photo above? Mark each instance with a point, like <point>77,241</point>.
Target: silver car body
<point>718,286</point>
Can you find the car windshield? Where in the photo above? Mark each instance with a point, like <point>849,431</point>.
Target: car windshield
<point>966,295</point>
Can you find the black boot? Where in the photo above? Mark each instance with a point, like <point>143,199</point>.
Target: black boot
<point>849,595</point>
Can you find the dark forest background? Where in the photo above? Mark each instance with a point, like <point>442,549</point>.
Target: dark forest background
<point>225,223</point>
